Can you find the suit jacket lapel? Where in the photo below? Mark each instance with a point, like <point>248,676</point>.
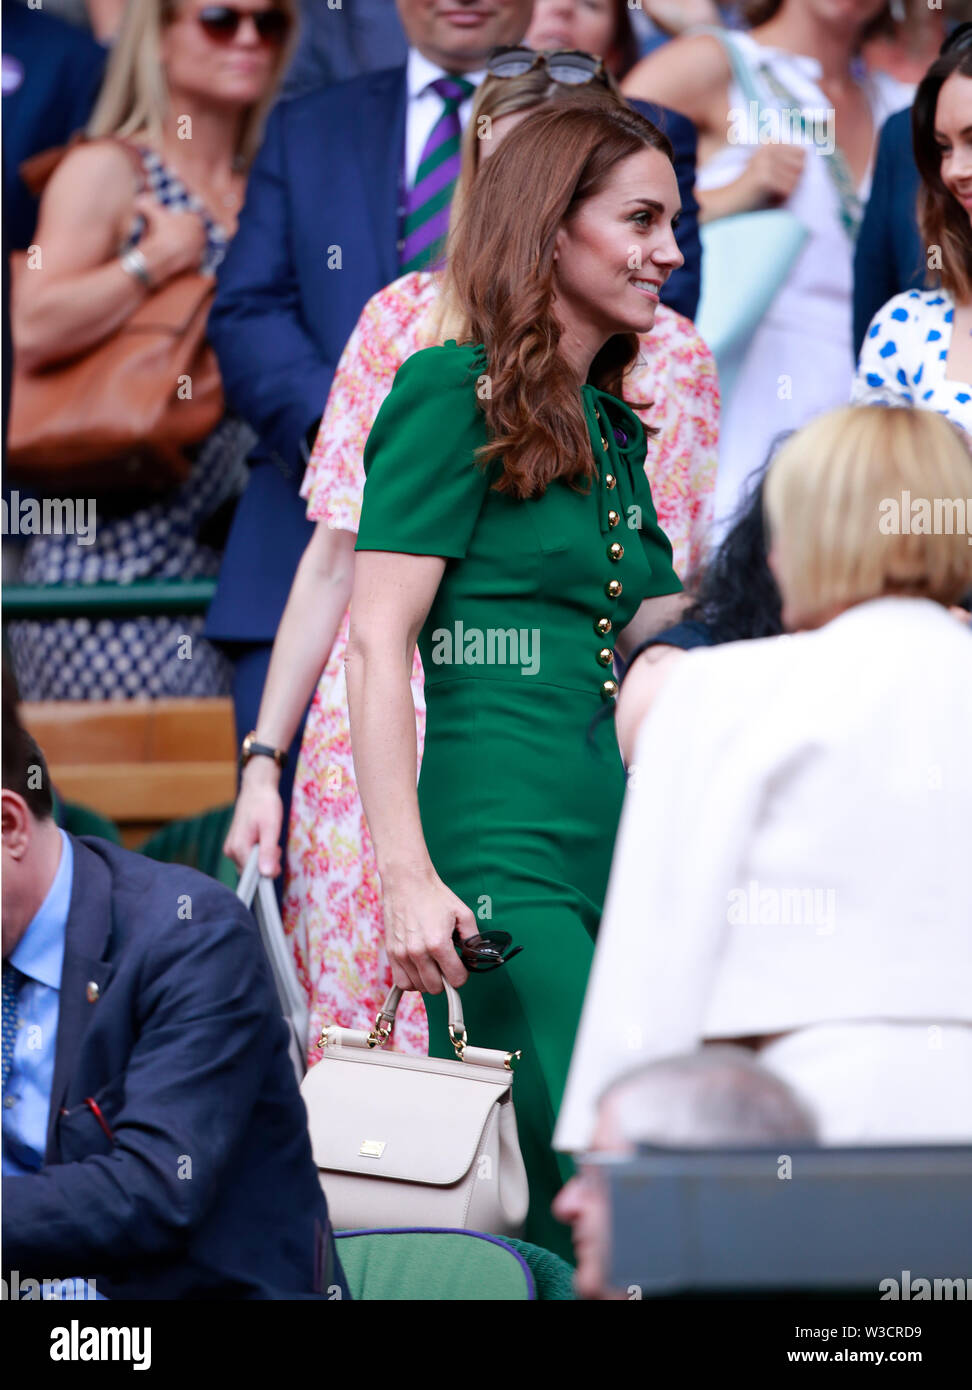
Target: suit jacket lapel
<point>87,940</point>
<point>380,139</point>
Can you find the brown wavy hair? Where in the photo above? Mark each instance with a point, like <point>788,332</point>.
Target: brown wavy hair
<point>501,272</point>
<point>942,219</point>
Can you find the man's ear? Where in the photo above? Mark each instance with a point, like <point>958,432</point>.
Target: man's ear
<point>15,821</point>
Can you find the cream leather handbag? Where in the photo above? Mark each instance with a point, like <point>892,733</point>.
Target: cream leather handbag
<point>415,1141</point>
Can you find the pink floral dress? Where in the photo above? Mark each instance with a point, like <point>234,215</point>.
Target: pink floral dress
<point>332,894</point>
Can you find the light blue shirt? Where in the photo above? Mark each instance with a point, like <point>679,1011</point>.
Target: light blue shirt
<point>38,955</point>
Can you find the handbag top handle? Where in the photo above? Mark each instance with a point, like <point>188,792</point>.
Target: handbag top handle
<point>385,1021</point>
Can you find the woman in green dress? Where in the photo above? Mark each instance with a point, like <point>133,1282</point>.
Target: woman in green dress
<point>508,526</point>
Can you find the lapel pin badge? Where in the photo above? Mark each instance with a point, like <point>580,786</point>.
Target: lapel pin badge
<point>93,992</point>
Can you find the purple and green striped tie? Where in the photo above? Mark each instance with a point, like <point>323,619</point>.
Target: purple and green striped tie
<point>427,205</point>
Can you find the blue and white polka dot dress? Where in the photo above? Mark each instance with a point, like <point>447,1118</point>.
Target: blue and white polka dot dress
<point>905,356</point>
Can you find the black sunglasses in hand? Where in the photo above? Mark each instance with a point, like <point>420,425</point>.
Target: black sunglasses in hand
<point>487,951</point>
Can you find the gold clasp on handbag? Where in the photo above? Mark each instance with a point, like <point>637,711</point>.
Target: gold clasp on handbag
<point>381,1032</point>
<point>458,1036</point>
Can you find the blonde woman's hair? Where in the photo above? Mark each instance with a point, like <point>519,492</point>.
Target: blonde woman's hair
<point>840,499</point>
<point>134,95</point>
<point>495,98</point>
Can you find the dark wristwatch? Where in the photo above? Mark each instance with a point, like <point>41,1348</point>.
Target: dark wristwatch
<point>252,749</point>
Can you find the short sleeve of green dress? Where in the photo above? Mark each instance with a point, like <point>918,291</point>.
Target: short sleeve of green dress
<point>423,491</point>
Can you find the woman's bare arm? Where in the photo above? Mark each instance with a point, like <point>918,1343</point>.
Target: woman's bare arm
<point>652,617</point>
<point>392,596</point>
<point>318,600</point>
<point>73,292</point>
<point>690,75</point>
<point>639,690</point>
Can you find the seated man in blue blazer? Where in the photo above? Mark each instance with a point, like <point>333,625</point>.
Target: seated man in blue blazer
<point>319,234</point>
<point>154,1139</point>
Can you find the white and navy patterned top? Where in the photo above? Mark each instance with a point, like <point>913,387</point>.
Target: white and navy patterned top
<point>905,355</point>
<point>174,196</point>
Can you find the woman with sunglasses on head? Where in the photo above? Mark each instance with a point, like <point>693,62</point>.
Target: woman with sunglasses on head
<point>918,348</point>
<point>332,900</point>
<point>154,192</point>
<point>507,524</point>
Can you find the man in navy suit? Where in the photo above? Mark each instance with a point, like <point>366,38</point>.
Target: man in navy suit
<point>335,44</point>
<point>154,1139</point>
<point>318,236</point>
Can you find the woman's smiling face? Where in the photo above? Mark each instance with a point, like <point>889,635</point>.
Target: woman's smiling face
<point>615,253</point>
<point>953,136</point>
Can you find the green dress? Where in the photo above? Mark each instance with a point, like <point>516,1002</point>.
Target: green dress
<point>519,792</point>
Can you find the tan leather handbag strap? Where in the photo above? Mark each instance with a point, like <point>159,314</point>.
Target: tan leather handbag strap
<point>36,170</point>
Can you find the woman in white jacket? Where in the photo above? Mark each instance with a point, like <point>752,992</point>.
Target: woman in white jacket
<point>803,884</point>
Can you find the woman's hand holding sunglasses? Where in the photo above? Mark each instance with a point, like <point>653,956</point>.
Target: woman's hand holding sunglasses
<point>422,916</point>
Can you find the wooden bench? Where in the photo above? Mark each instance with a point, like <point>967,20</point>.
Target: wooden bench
<point>141,763</point>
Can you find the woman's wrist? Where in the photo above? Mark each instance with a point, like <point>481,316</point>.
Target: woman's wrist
<point>160,262</point>
<point>405,871</point>
<point>261,771</point>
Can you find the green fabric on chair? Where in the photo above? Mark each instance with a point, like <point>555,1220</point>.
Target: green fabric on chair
<point>432,1266</point>
<point>81,820</point>
<point>553,1276</point>
<point>197,842</point>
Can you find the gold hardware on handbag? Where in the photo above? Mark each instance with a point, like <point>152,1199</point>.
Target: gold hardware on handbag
<point>448,1155</point>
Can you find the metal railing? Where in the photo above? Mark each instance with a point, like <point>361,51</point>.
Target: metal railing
<point>143,598</point>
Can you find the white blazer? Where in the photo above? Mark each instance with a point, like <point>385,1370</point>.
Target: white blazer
<point>794,846</point>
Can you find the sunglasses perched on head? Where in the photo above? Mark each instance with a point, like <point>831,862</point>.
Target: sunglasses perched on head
<point>569,66</point>
<point>221,23</point>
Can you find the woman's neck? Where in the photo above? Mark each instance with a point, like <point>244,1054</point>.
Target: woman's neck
<point>580,342</point>
<point>201,139</point>
<point>796,31</point>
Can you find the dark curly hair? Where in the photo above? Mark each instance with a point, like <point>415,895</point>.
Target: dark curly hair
<point>942,219</point>
<point>736,597</point>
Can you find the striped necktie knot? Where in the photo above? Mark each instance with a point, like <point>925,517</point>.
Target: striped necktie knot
<point>452,90</point>
<point>427,204</point>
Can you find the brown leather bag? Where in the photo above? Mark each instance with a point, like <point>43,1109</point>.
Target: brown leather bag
<point>120,415</point>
